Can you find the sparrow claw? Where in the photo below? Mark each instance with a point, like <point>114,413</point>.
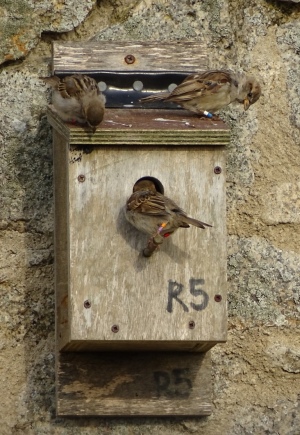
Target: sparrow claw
<point>152,245</point>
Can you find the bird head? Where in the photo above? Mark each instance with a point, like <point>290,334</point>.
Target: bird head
<point>144,185</point>
<point>251,91</point>
<point>94,113</point>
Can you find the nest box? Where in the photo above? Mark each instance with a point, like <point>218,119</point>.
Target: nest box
<point>109,296</point>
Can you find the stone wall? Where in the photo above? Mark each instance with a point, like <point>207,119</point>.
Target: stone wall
<point>256,373</point>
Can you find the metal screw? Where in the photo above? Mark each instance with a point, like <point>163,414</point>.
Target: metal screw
<point>218,298</point>
<point>87,304</point>
<point>129,59</point>
<point>115,328</point>
<point>217,169</point>
<point>191,324</point>
<point>81,178</point>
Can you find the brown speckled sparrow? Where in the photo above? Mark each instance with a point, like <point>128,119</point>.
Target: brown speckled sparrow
<point>77,98</point>
<point>211,91</point>
<point>151,212</point>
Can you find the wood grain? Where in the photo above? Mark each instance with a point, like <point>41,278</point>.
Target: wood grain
<point>146,127</point>
<point>61,238</point>
<point>98,255</point>
<point>133,384</point>
<point>183,56</point>
<point>110,297</point>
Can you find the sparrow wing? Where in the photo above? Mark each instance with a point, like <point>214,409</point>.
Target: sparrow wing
<point>77,85</point>
<point>201,85</point>
<point>212,75</point>
<point>155,97</point>
<point>181,217</point>
<point>147,203</point>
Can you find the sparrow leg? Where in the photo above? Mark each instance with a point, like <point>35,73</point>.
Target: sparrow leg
<point>152,245</point>
<point>208,115</point>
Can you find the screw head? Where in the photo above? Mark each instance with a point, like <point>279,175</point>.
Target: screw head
<point>81,178</point>
<point>191,324</point>
<point>87,304</point>
<point>115,328</point>
<point>217,169</point>
<point>129,59</point>
<point>218,298</point>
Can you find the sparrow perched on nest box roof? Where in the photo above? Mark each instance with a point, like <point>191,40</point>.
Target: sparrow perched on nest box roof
<point>152,213</point>
<point>77,98</point>
<point>211,91</point>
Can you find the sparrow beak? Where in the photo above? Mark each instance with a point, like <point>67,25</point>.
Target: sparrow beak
<point>246,104</point>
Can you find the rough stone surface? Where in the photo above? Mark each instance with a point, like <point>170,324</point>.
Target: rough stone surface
<point>282,204</point>
<point>263,281</point>
<point>255,374</point>
<point>22,22</point>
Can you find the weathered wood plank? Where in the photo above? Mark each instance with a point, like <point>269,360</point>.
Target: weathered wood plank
<point>131,345</point>
<point>177,284</point>
<point>61,237</point>
<point>146,127</point>
<point>133,384</point>
<point>108,296</point>
<point>111,56</point>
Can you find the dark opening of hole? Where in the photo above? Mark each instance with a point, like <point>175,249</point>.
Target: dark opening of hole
<point>158,184</point>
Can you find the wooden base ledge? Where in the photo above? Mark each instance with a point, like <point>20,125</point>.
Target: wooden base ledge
<point>134,384</point>
<point>133,127</point>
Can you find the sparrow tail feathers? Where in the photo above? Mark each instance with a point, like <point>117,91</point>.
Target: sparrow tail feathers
<point>155,97</point>
<point>195,222</point>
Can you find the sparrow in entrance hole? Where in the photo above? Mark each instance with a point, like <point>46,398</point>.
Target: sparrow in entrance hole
<point>153,213</point>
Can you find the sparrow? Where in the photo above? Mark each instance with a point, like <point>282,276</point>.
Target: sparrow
<point>211,91</point>
<point>153,213</point>
<point>77,98</point>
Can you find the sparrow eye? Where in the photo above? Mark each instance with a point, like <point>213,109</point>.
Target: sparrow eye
<point>250,95</point>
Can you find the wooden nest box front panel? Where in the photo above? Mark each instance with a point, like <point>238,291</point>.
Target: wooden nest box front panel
<point>109,296</point>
